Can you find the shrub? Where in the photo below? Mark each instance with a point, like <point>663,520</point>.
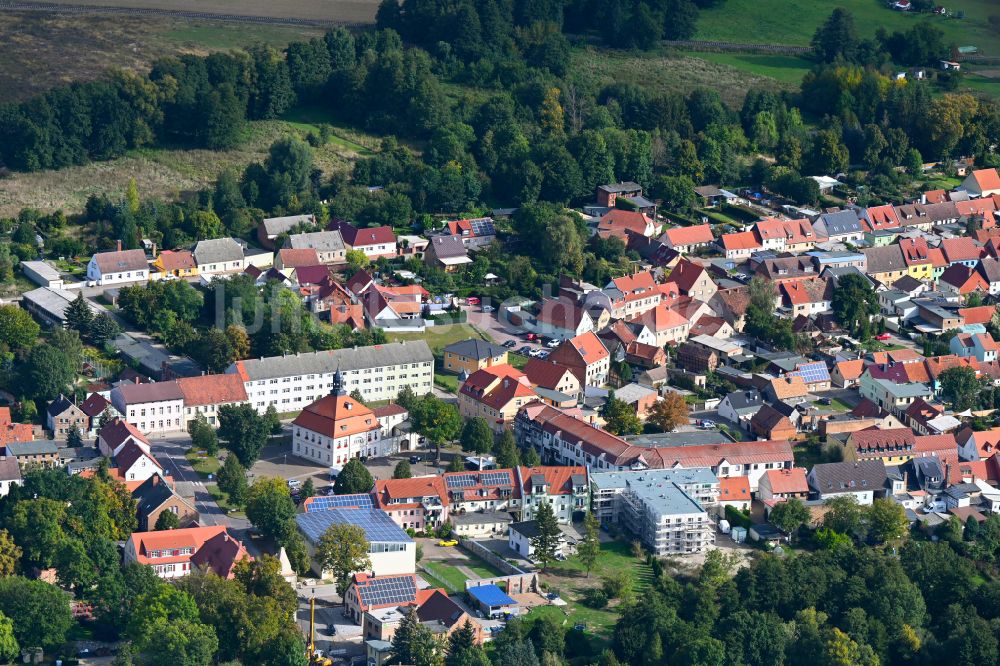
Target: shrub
<point>595,598</point>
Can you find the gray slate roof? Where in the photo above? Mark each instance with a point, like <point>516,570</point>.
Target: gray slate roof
<point>9,470</point>
<point>848,477</point>
<point>448,246</point>
<point>217,251</point>
<point>329,361</point>
<point>475,348</point>
<point>273,226</point>
<point>841,223</point>
<point>33,448</point>
<point>321,241</point>
<point>745,400</point>
<point>885,259</point>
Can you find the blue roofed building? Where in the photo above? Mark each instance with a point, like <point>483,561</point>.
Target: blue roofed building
<point>491,600</point>
<point>390,549</point>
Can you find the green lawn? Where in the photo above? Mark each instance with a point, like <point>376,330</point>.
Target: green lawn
<point>447,382</point>
<point>309,118</point>
<point>795,21</point>
<point>203,464</point>
<point>222,500</point>
<point>807,455</point>
<point>442,335</point>
<point>452,578</point>
<point>615,556</point>
<point>784,68</point>
<point>599,623</point>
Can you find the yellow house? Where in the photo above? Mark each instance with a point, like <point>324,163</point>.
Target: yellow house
<point>916,255</point>
<point>471,355</point>
<point>495,394</point>
<point>885,264</point>
<point>178,263</point>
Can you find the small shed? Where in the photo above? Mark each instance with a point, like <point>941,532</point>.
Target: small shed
<point>491,600</point>
<point>739,534</point>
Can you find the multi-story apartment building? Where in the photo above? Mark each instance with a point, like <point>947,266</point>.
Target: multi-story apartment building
<point>564,439</point>
<point>606,488</point>
<point>659,507</point>
<point>379,372</point>
<point>156,407</point>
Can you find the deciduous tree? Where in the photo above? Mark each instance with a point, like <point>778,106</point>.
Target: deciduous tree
<point>353,478</point>
<point>270,507</point>
<point>342,550</point>
<point>669,412</point>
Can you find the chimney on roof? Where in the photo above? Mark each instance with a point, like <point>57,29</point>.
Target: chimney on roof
<point>119,245</point>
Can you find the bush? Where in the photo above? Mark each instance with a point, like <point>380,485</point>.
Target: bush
<point>595,598</point>
<point>737,518</point>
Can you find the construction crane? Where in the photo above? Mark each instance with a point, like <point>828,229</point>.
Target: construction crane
<point>315,658</point>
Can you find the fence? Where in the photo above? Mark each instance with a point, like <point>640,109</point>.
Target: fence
<point>484,553</point>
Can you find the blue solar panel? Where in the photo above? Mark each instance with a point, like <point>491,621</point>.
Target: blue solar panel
<point>496,478</point>
<point>388,590</point>
<point>461,480</point>
<point>378,526</point>
<point>483,227</point>
<point>812,372</point>
<point>359,501</point>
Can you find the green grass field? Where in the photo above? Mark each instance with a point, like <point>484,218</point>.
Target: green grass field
<point>203,464</point>
<point>795,21</point>
<point>615,556</point>
<point>783,68</point>
<point>439,337</point>
<point>681,73</point>
<point>451,578</point>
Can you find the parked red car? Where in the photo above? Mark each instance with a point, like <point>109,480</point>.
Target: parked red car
<point>883,337</point>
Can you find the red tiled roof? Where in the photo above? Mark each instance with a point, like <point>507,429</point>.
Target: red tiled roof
<point>743,240</point>
<point>293,258</point>
<point>685,274</point>
<point>389,492</point>
<point>497,386</point>
<point>176,260</point>
<point>881,217</point>
<point>793,232</point>
<point>587,347</point>
<point>786,481</point>
<point>660,318</point>
<point>851,369</point>
<point>337,416</point>
<point>977,315</point>
<point>935,196</point>
<point>94,405</point>
<point>960,249</point>
<point>116,431</point>
<point>620,223</point>
<point>219,557</point>
<point>558,479</point>
<point>545,374</point>
<point>220,553</point>
<point>987,179</point>
<point>681,236</point>
<point>212,389</point>
<point>915,251</point>
<point>13,432</point>
<point>734,489</point>
<point>635,286</point>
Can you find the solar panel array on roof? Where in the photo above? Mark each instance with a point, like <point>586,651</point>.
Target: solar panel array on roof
<point>496,478</point>
<point>359,501</point>
<point>812,372</point>
<point>462,481</point>
<point>378,526</point>
<point>483,227</point>
<point>390,590</point>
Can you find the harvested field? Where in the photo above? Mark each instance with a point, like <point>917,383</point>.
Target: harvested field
<point>40,51</point>
<point>673,73</point>
<point>163,172</point>
<point>334,11</point>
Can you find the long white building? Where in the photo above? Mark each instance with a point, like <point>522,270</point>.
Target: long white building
<point>379,372</point>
